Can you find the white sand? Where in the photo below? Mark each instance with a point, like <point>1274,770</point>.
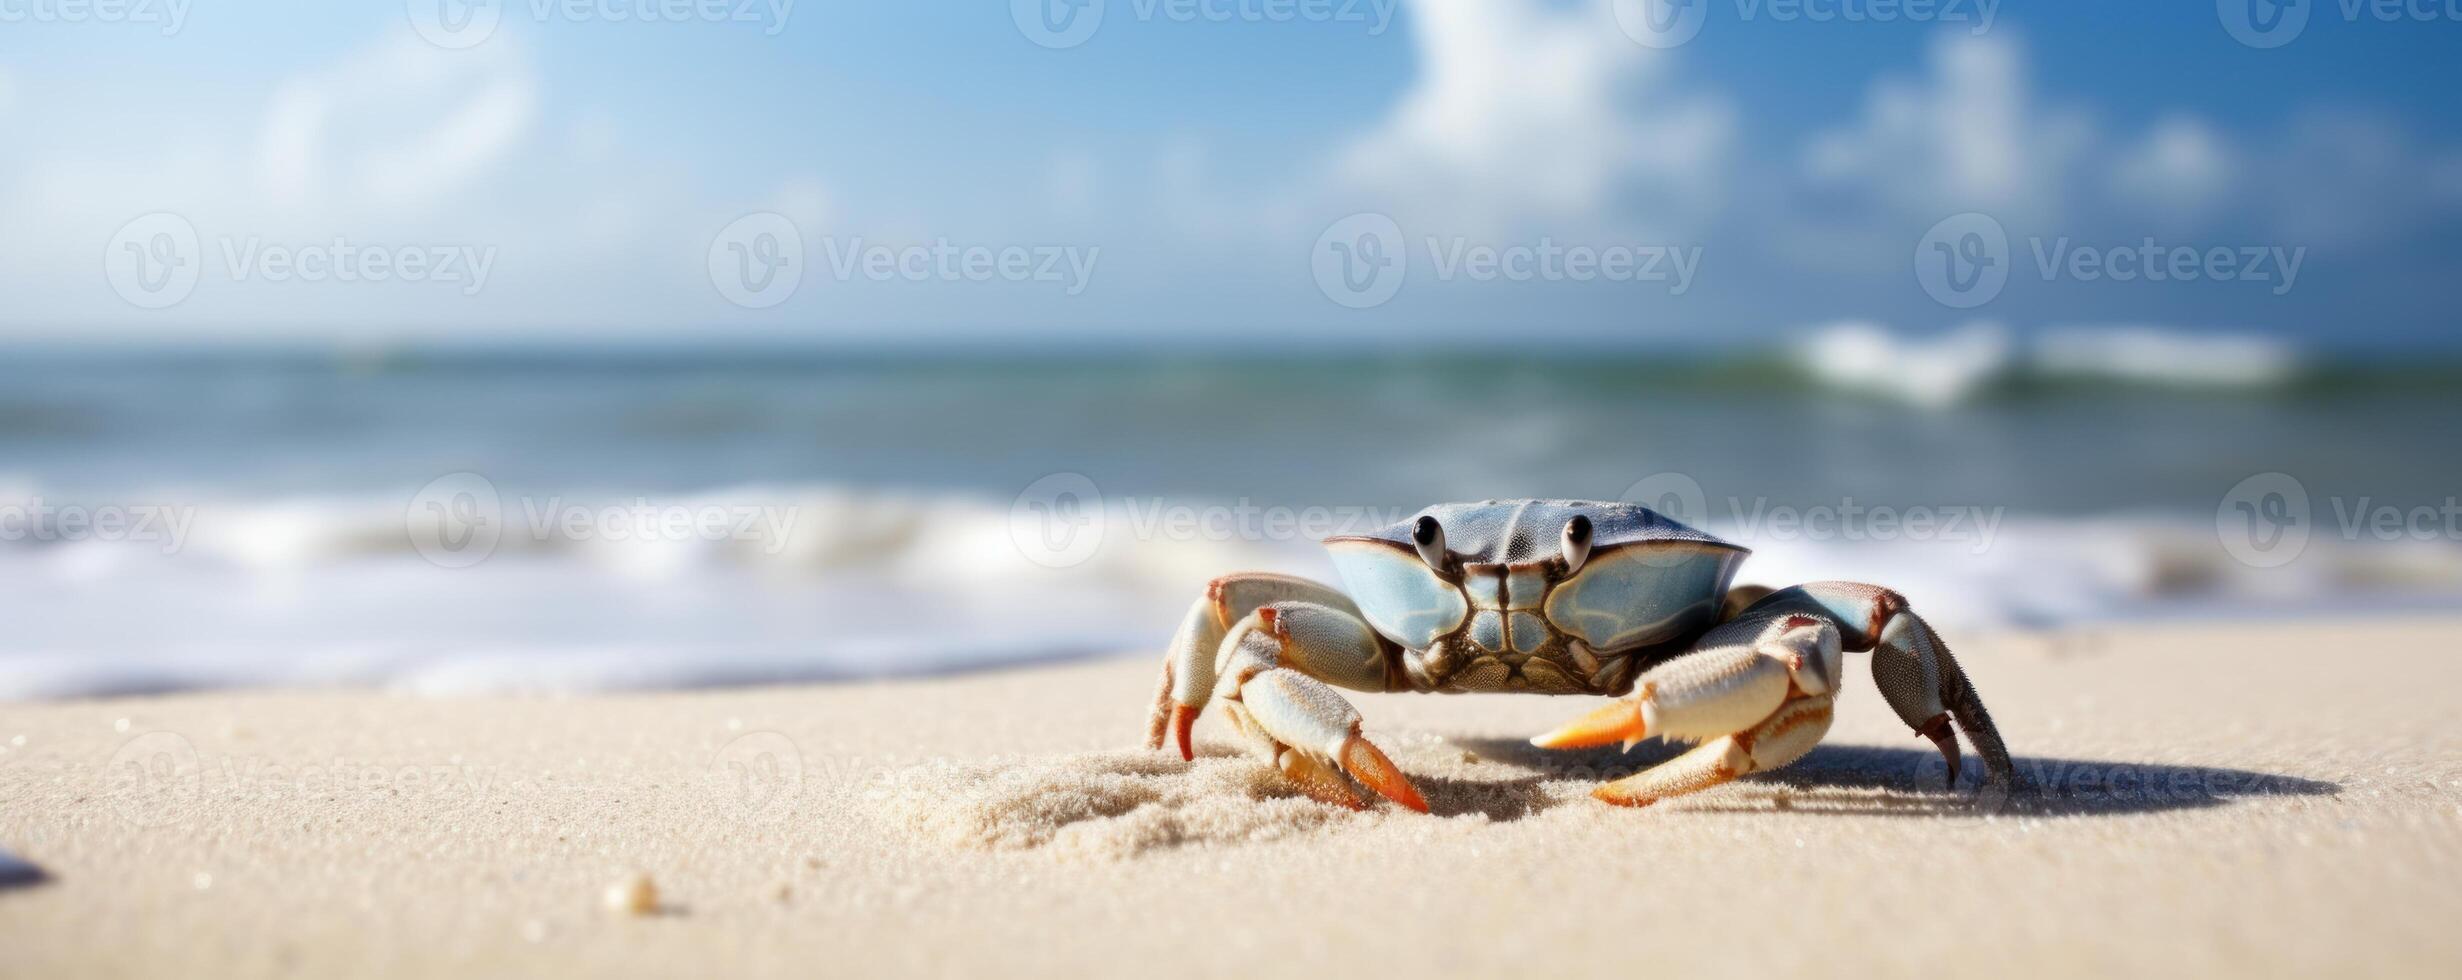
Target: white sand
<point>2273,800</point>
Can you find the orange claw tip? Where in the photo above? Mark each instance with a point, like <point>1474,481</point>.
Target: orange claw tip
<point>1372,769</point>
<point>1183,718</point>
<point>1618,722</point>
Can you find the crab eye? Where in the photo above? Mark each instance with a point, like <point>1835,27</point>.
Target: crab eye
<point>1430,537</point>
<point>1576,542</point>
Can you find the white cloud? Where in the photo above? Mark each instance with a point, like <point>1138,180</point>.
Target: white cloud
<point>396,125</point>
<point>1971,136</point>
<point>1523,110</point>
<point>1967,137</point>
<point>1519,118</point>
<point>395,144</point>
<point>2182,170</point>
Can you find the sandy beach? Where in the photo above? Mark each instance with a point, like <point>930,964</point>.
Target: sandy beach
<point>2276,799</point>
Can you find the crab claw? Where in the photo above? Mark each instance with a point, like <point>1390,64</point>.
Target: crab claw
<point>1317,779</point>
<point>1617,722</point>
<point>1938,731</point>
<point>1361,759</point>
<point>1183,718</point>
<point>1300,712</point>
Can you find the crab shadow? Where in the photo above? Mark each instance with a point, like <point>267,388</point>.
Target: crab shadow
<point>1871,780</point>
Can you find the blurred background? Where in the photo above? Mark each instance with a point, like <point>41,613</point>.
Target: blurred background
<point>462,346</point>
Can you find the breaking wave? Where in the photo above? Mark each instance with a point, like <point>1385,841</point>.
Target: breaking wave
<point>1952,367</point>
<point>857,583</point>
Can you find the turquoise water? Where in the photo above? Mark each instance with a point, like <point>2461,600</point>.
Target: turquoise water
<point>1357,430</point>
<point>913,528</point>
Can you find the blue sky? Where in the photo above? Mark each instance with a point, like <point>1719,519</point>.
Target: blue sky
<point>1177,176</point>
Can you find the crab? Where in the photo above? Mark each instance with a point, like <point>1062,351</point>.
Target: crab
<point>1555,597</point>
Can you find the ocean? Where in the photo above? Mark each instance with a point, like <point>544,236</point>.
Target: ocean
<point>453,521</point>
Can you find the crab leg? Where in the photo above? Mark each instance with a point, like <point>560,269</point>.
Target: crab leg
<point>1189,663</point>
<point>1781,739</point>
<point>1745,671</point>
<point>1760,705</point>
<point>1913,668</point>
<point>1906,667</point>
<point>1295,718</point>
<point>1781,657</point>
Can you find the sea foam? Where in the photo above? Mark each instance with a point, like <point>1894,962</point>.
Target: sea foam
<point>870,583</point>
